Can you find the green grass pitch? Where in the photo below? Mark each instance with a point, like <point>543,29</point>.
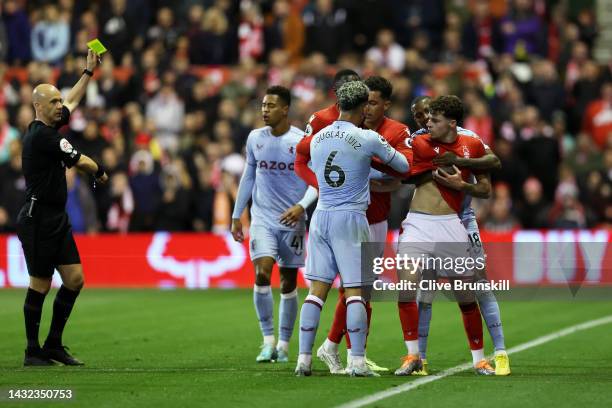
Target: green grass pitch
<point>149,348</point>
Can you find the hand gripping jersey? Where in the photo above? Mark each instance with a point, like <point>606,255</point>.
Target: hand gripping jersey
<point>466,213</point>
<point>424,149</point>
<point>397,135</point>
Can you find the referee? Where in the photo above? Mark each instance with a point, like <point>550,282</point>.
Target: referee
<point>43,226</point>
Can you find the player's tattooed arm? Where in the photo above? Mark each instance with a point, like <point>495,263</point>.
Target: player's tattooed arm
<point>487,162</point>
<point>482,188</point>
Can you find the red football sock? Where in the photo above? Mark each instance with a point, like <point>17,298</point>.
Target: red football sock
<point>472,323</point>
<point>338,328</point>
<point>409,318</point>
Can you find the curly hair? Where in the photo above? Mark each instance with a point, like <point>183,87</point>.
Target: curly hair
<point>352,94</point>
<point>450,106</point>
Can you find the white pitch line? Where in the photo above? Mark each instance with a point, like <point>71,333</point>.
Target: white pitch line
<point>120,370</point>
<point>370,399</point>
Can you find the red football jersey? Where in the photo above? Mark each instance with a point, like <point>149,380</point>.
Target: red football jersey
<point>317,121</point>
<point>424,149</point>
<point>396,134</point>
<point>321,119</point>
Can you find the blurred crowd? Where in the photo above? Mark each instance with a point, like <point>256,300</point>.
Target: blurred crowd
<point>169,109</point>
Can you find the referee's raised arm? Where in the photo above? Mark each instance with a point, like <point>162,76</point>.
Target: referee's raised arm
<point>78,90</point>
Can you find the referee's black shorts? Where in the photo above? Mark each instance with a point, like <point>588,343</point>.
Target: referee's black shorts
<point>47,240</point>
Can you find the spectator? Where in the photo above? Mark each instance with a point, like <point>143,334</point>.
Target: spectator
<point>387,53</point>
<point>285,30</point>
<point>69,74</point>
<point>211,44</point>
<point>203,200</point>
<point>501,219</point>
<point>165,30</point>
<point>110,90</point>
<point>481,38</point>
<point>251,32</point>
<point>120,211</point>
<point>90,142</point>
<point>4,45</point>
<point>539,151</point>
<point>167,112</point>
<point>145,187</point>
<point>480,121</point>
<point>522,31</point>
<point>25,116</point>
<point>597,120</point>
<point>566,140</point>
<point>17,26</point>
<point>173,212</point>
<point>567,212</point>
<point>12,188</point>
<point>534,210</point>
<point>117,26</point>
<point>89,23</point>
<point>7,135</point>
<point>596,194</point>
<point>545,90</point>
<point>50,36</point>
<point>327,29</point>
<point>80,206</point>
<point>513,172</point>
<point>585,157</point>
<point>586,89</point>
<point>451,48</point>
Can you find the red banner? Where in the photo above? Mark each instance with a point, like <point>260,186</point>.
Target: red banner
<point>164,260</point>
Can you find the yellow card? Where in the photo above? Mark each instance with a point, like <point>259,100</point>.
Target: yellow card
<point>97,46</point>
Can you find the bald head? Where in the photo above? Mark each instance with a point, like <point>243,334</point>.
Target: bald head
<point>43,93</point>
<point>47,102</point>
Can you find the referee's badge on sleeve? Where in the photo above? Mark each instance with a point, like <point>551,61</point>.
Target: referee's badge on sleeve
<point>65,146</point>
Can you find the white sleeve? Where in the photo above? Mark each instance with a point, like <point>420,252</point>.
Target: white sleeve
<point>310,196</point>
<point>247,181</point>
<point>387,154</point>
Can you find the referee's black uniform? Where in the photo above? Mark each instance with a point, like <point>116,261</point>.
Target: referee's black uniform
<point>43,226</point>
<point>45,233</point>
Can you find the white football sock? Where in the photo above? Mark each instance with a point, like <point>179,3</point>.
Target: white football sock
<point>412,346</point>
<point>477,356</point>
